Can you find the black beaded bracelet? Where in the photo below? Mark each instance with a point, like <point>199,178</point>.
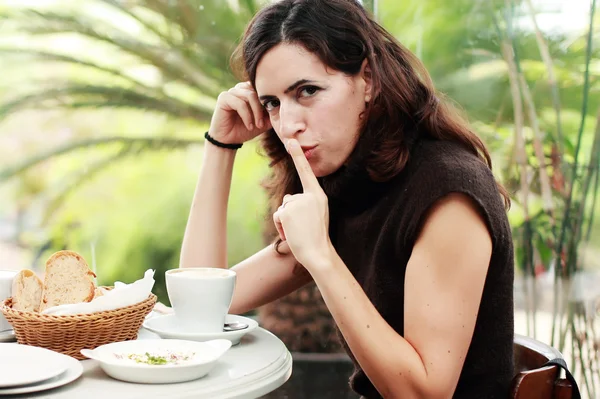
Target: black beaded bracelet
<point>222,145</point>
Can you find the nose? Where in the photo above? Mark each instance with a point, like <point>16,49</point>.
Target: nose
<point>291,120</point>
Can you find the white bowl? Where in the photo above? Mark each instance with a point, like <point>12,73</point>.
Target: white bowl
<point>115,359</point>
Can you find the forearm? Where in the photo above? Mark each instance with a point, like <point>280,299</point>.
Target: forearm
<point>266,276</point>
<point>389,361</point>
<point>205,239</point>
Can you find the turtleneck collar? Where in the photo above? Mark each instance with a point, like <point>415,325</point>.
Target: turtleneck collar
<point>351,187</point>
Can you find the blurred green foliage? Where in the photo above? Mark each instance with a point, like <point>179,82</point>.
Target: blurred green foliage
<point>151,69</point>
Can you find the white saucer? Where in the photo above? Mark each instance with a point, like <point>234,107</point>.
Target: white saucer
<point>7,336</point>
<point>165,327</point>
<point>74,371</point>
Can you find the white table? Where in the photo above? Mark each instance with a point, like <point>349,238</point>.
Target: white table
<point>258,365</point>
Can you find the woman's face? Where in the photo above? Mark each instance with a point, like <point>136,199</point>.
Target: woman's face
<point>313,104</point>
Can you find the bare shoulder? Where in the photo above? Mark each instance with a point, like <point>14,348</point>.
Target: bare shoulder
<point>456,219</point>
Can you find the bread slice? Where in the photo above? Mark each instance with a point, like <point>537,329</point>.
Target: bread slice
<point>68,280</point>
<point>26,291</point>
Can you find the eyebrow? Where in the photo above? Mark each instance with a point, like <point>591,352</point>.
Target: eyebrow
<point>291,88</point>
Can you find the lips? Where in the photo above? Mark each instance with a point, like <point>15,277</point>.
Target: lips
<point>308,150</point>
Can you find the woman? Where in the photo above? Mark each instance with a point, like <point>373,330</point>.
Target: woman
<point>381,196</point>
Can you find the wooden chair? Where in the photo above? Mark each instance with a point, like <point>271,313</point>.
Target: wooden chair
<point>532,381</point>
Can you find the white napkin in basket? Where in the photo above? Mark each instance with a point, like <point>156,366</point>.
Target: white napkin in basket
<point>120,296</point>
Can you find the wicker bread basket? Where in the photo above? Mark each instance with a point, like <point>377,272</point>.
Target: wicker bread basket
<point>69,334</point>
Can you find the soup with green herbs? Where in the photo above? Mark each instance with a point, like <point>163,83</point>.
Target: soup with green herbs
<point>156,358</point>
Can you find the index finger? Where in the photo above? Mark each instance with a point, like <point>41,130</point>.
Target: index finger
<point>307,176</point>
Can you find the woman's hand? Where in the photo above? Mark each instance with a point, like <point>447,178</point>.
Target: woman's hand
<point>239,115</point>
<point>302,220</point>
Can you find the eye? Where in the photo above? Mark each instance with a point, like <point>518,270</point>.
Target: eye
<point>269,105</point>
<point>308,91</point>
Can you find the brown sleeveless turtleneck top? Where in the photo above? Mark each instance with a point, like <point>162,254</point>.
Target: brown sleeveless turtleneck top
<point>374,227</point>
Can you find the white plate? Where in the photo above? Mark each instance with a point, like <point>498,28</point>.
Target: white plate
<point>166,327</point>
<point>7,336</point>
<point>23,365</point>
<point>113,359</point>
<point>73,371</point>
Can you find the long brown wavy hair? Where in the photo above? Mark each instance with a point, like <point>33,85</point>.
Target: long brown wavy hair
<point>342,34</point>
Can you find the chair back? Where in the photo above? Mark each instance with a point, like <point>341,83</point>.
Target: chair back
<point>533,380</point>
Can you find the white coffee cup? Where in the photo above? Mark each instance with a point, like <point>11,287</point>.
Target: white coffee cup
<point>200,297</point>
<point>6,280</point>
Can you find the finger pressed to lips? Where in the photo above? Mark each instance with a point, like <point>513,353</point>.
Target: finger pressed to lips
<point>307,177</point>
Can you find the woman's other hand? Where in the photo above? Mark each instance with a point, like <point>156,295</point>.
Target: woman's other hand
<point>239,115</point>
